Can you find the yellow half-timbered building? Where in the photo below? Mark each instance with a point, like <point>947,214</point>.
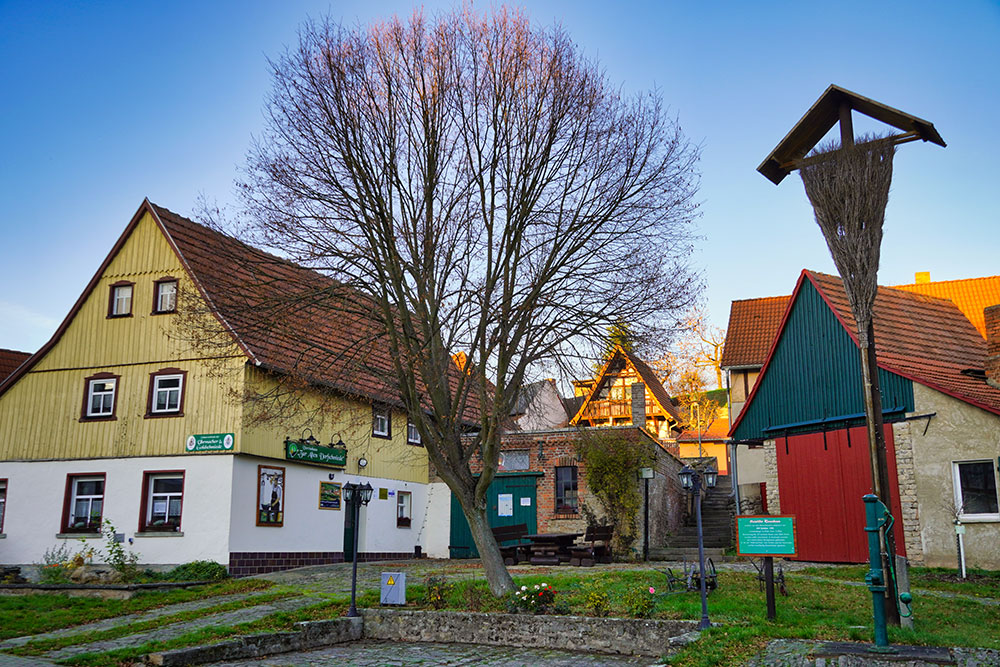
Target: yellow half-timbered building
<point>128,415</point>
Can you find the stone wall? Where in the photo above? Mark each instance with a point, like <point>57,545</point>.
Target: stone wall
<point>573,633</point>
<point>907,481</point>
<point>771,476</point>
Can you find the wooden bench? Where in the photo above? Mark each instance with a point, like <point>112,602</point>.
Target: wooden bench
<point>596,547</point>
<point>512,553</point>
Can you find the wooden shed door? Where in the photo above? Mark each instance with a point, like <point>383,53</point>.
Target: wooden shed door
<point>821,480</point>
<point>515,486</point>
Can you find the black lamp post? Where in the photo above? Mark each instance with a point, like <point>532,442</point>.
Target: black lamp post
<point>356,495</point>
<point>692,480</point>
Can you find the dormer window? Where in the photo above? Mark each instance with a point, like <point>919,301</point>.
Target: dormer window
<point>164,296</point>
<point>120,304</point>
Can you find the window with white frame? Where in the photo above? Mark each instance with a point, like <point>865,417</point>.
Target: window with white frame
<point>166,393</point>
<point>165,296</point>
<point>121,300</point>
<point>515,459</point>
<point>976,490</point>
<point>381,422</point>
<point>100,400</point>
<point>86,503</point>
<point>164,495</point>
<point>412,434</point>
<point>403,502</point>
<point>3,502</point>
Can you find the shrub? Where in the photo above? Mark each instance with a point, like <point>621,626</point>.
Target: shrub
<point>639,602</point>
<point>123,562</point>
<point>198,570</point>
<point>476,597</point>
<point>596,600</point>
<point>436,590</point>
<point>537,600</point>
<point>58,562</point>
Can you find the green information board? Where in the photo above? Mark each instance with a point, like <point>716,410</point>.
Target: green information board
<point>300,451</point>
<point>765,535</point>
<point>210,442</point>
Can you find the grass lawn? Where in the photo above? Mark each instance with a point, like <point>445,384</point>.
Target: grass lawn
<point>978,583</point>
<point>22,615</point>
<point>823,610</point>
<point>813,610</point>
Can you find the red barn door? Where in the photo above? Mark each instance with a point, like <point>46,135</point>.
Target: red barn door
<point>821,480</point>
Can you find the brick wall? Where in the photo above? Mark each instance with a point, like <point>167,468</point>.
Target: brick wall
<point>246,563</point>
<point>551,448</point>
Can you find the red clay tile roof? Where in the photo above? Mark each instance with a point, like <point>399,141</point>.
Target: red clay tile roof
<point>10,360</point>
<point>717,430</point>
<point>753,323</point>
<point>923,338</point>
<point>312,342</point>
<point>343,348</point>
<point>971,295</point>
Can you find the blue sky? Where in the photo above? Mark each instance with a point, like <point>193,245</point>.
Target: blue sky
<point>104,103</point>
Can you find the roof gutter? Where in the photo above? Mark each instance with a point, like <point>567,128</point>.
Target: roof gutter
<point>830,420</point>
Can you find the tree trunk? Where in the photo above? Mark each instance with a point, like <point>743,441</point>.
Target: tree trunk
<point>497,576</point>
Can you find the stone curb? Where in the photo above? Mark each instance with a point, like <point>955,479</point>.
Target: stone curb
<point>308,635</point>
<point>623,636</point>
<point>574,633</point>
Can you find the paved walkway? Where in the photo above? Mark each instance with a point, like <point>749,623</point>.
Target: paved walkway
<point>172,630</point>
<point>117,621</point>
<point>405,654</point>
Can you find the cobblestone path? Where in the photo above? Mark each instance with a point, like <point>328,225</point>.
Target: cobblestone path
<point>245,615</point>
<point>116,621</point>
<point>406,654</point>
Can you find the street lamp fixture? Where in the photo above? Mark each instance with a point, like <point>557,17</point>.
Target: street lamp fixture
<point>694,481</point>
<point>311,440</point>
<point>356,495</point>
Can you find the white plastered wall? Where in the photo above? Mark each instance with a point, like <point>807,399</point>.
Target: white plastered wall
<point>35,496</point>
<point>436,533</point>
<point>307,528</point>
<point>957,432</point>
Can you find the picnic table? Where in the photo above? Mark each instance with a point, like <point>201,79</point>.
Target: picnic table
<point>551,548</point>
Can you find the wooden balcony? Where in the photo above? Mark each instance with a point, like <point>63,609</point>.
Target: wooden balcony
<point>615,408</point>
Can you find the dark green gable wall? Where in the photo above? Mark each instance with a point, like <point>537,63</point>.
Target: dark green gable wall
<point>815,374</point>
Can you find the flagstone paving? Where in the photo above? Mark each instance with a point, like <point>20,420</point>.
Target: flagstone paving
<point>407,654</point>
<point>173,630</point>
<point>138,617</point>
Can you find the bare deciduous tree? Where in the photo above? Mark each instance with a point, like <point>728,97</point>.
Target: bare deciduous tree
<point>473,183</point>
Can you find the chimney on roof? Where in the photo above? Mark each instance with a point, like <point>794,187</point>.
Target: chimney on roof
<point>992,316</point>
<point>639,404</point>
<point>922,277</point>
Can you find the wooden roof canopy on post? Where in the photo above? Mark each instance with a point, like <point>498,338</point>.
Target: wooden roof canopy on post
<point>836,104</point>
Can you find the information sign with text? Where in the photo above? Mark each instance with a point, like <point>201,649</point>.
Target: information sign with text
<point>765,535</point>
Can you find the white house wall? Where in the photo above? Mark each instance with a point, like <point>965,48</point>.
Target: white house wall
<point>35,496</point>
<point>436,533</point>
<point>310,535</point>
<point>957,432</point>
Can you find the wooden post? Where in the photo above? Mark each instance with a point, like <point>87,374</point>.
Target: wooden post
<point>846,125</point>
<point>880,464</point>
<point>772,613</point>
<point>645,531</point>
